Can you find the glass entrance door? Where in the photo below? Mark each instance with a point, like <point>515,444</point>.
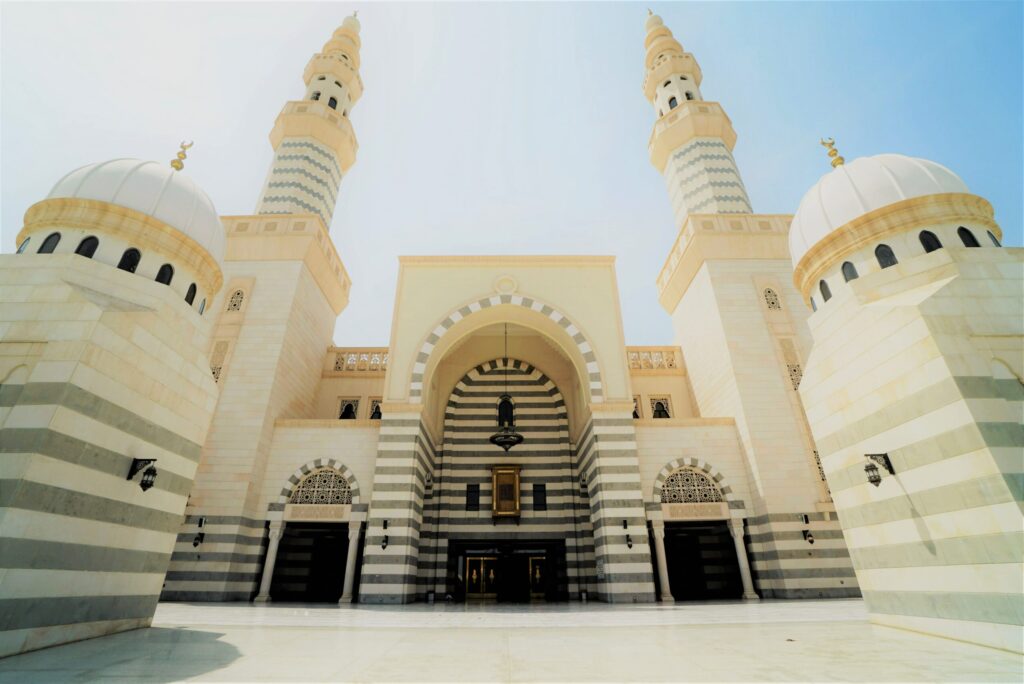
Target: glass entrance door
<point>481,577</point>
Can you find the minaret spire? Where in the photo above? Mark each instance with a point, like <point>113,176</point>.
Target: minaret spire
<point>692,142</point>
<point>314,143</point>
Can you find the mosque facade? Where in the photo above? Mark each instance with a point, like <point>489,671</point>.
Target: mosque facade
<point>177,424</point>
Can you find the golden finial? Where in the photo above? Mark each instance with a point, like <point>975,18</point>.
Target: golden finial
<point>833,153</point>
<point>355,14</point>
<point>177,164</point>
<point>650,12</point>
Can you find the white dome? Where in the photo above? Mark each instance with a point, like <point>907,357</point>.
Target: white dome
<point>154,189</point>
<point>863,185</point>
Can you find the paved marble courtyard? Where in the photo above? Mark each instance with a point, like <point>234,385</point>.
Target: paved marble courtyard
<point>760,641</point>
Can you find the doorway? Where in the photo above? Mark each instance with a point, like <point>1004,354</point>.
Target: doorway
<point>508,571</point>
<point>702,563</point>
<point>310,566</point>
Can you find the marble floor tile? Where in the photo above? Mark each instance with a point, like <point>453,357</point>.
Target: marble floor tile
<point>713,642</point>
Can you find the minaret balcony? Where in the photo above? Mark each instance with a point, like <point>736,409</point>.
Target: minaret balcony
<point>338,67</point>
<point>691,119</point>
<point>667,66</point>
<point>314,119</point>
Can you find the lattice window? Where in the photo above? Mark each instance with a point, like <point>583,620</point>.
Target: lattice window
<point>796,374</point>
<point>661,407</point>
<point>348,409</point>
<point>220,352</point>
<point>235,301</point>
<point>689,486</point>
<point>375,410</point>
<point>771,298</point>
<point>323,486</point>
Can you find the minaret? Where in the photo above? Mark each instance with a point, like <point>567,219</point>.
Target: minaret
<point>314,143</point>
<point>692,142</point>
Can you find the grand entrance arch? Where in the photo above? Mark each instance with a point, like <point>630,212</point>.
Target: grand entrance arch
<point>314,537</point>
<point>543,551</point>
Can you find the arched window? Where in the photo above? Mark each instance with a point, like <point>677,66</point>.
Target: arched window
<point>129,260</point>
<point>87,247</point>
<point>321,78</point>
<point>165,274</point>
<point>235,300</point>
<point>967,237</point>
<point>993,238</point>
<point>689,486</point>
<point>338,84</point>
<point>929,241</point>
<point>666,84</point>
<point>323,486</point>
<point>772,299</point>
<point>673,103</point>
<point>202,306</point>
<point>682,78</point>
<point>332,103</point>
<point>689,95</point>
<point>348,410</point>
<point>315,95</point>
<point>23,245</point>
<point>660,410</point>
<point>885,256</point>
<point>506,412</point>
<point>190,296</point>
<point>49,244</point>
<point>375,413</point>
<point>849,271</point>
<point>826,293</point>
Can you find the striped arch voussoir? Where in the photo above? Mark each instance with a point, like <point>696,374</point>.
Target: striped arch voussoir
<point>306,469</point>
<point>581,342</point>
<point>699,465</point>
<point>516,364</point>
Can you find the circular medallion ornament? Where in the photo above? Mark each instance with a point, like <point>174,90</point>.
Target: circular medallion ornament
<point>506,284</point>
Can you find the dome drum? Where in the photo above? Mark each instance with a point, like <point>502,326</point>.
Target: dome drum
<point>118,229</point>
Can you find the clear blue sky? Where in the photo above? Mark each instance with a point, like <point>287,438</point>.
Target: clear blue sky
<point>487,128</point>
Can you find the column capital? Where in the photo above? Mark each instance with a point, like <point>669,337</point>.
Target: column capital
<point>276,529</point>
<point>736,526</point>
<point>658,527</point>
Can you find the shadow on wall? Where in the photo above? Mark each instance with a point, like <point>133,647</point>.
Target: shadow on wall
<point>154,654</point>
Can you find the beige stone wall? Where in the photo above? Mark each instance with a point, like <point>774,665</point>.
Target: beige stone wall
<point>97,366</point>
<point>905,363</point>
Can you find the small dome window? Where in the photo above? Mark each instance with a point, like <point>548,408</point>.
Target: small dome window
<point>929,241</point>
<point>967,237</point>
<point>689,95</point>
<point>338,84</point>
<point>130,260</point>
<point>202,307</point>
<point>315,95</point>
<point>673,103</point>
<point>849,271</point>
<point>885,256</point>
<point>190,296</point>
<point>666,84</point>
<point>682,78</point>
<point>991,236</point>
<point>332,103</point>
<point>814,307</point>
<point>321,78</point>
<point>49,244</point>
<point>826,293</point>
<point>87,247</point>
<point>165,274</point>
<point>23,245</point>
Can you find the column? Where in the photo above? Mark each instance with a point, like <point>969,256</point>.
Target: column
<point>350,561</point>
<point>736,528</point>
<point>659,556</point>
<point>276,528</point>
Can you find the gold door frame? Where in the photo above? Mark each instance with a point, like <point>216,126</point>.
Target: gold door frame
<point>483,579</point>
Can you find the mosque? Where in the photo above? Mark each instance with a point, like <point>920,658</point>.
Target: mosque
<point>838,415</point>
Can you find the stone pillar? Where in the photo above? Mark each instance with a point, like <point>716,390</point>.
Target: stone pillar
<point>276,529</point>
<point>659,555</point>
<point>736,528</point>
<point>350,561</point>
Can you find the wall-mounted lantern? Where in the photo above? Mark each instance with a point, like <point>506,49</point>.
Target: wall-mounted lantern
<point>871,469</point>
<point>808,537</point>
<point>148,475</point>
<point>198,539</point>
<point>384,542</point>
<point>629,538</point>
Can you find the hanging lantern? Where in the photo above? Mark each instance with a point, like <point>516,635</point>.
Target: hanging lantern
<point>506,437</point>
